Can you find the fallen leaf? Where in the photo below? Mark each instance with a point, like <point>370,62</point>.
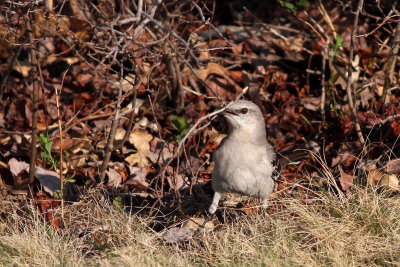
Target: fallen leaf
<point>137,159</point>
<point>84,79</point>
<point>49,179</point>
<point>311,103</point>
<point>396,127</point>
<point>16,167</point>
<point>195,223</point>
<point>389,182</point>
<point>119,134</point>
<point>114,178</point>
<point>23,68</point>
<point>137,177</point>
<point>374,177</point>
<point>73,145</point>
<point>346,180</point>
<point>212,68</point>
<point>177,235</point>
<point>141,141</point>
<point>77,160</point>
<point>393,166</point>
<point>160,151</point>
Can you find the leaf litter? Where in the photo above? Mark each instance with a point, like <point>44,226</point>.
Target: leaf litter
<point>280,59</point>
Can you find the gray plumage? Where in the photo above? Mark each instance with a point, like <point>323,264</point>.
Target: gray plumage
<point>244,161</point>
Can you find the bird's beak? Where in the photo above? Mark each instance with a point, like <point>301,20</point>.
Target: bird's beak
<point>226,112</point>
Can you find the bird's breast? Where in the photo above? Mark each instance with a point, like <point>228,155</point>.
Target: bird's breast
<point>241,168</point>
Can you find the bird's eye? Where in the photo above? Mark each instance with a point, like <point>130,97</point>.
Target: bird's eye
<point>244,110</point>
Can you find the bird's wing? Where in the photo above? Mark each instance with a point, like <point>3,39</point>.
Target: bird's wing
<point>276,174</point>
<point>282,161</point>
<point>292,157</point>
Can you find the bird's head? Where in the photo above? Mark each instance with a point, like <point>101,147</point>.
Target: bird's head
<point>244,115</point>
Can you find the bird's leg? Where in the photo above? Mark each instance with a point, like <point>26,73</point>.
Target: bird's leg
<point>265,203</point>
<point>214,205</point>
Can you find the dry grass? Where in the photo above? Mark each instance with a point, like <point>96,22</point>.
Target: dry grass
<point>363,230</point>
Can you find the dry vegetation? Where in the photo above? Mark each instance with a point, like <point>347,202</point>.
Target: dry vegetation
<point>106,145</point>
<point>362,230</point>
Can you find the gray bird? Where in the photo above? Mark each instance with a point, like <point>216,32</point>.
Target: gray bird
<point>245,162</point>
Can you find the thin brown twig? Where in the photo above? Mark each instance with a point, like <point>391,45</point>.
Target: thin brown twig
<point>158,194</point>
<point>391,63</point>
<point>198,78</point>
<point>350,72</point>
<point>35,93</point>
<point>187,47</point>
<point>60,131</point>
<point>111,136</point>
<point>328,20</point>
<point>387,20</point>
<point>132,116</point>
<point>207,23</point>
<point>323,88</point>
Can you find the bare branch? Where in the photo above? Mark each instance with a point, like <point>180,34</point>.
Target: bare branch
<point>391,63</point>
<point>35,93</point>
<point>350,72</point>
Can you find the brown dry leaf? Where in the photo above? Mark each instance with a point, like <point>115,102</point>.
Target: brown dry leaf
<point>291,46</point>
<point>84,79</point>
<point>23,68</point>
<point>393,166</point>
<point>213,136</point>
<point>195,223</point>
<point>311,103</point>
<point>346,180</point>
<point>396,127</point>
<point>343,155</point>
<point>221,87</point>
<point>237,48</point>
<point>137,177</point>
<point>204,52</point>
<point>101,145</point>
<point>232,200</point>
<point>77,161</point>
<point>49,179</point>
<point>175,180</point>
<point>128,83</point>
<point>237,75</point>
<point>73,145</point>
<point>374,177</point>
<point>212,68</point>
<point>119,134</point>
<point>16,167</point>
<point>122,172</point>
<point>114,178</point>
<point>79,131</point>
<point>137,159</point>
<point>177,235</point>
<point>69,60</point>
<point>250,208</point>
<point>141,141</point>
<point>390,182</point>
<point>160,151</point>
